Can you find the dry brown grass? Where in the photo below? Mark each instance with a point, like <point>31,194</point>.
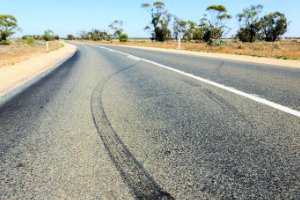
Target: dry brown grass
<point>19,51</point>
<point>287,49</point>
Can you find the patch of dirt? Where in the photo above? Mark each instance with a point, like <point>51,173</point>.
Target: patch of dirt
<point>19,51</point>
<point>15,75</point>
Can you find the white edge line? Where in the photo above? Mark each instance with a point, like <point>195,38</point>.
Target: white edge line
<point>133,57</point>
<point>249,96</point>
<point>230,89</point>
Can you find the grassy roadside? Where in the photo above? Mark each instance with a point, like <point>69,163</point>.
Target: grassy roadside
<point>285,50</point>
<point>19,51</point>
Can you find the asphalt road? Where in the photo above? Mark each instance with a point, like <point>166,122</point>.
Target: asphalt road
<point>106,126</point>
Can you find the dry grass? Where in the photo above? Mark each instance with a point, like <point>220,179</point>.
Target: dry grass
<point>286,49</point>
<point>19,51</point>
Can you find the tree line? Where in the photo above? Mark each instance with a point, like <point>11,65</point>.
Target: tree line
<point>165,26</point>
<point>47,36</point>
<point>99,35</point>
<point>253,26</point>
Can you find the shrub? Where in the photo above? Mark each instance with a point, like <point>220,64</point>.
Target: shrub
<point>19,41</point>
<point>30,41</point>
<point>5,42</point>
<point>56,37</point>
<point>47,37</point>
<point>39,43</point>
<point>123,37</point>
<point>277,46</point>
<point>216,42</point>
<point>3,35</point>
<point>35,37</point>
<point>86,37</point>
<point>70,37</point>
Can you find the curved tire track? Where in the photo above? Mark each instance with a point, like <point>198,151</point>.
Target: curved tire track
<point>139,181</point>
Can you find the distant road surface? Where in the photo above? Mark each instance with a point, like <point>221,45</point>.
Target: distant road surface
<point>123,123</point>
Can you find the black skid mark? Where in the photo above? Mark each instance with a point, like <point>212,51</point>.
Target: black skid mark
<point>133,173</point>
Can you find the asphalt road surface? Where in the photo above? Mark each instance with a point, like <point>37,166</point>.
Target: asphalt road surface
<point>107,125</point>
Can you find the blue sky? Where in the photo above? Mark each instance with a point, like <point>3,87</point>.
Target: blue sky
<point>69,16</point>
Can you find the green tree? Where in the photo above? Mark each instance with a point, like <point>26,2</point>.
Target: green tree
<point>198,33</point>
<point>123,37</point>
<point>273,25</point>
<point>104,35</point>
<point>179,27</point>
<point>116,26</point>
<point>8,26</point>
<point>48,35</point>
<point>70,37</point>
<point>218,19</point>
<point>56,37</point>
<point>249,23</point>
<point>244,35</point>
<point>36,37</point>
<point>83,34</point>
<point>204,31</point>
<point>94,34</point>
<point>160,19</point>
<point>191,29</point>
<point>30,41</point>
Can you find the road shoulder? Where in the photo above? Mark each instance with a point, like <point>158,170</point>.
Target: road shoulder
<point>17,77</point>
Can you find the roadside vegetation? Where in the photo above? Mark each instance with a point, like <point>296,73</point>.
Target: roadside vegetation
<point>259,35</point>
<point>15,50</point>
<point>20,50</point>
<point>8,26</point>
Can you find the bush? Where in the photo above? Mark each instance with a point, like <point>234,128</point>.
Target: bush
<point>123,37</point>
<point>5,42</point>
<point>19,41</point>
<point>3,35</point>
<point>47,38</point>
<point>86,37</point>
<point>56,37</point>
<point>216,42</point>
<point>39,43</point>
<point>30,41</point>
<point>35,37</point>
<point>95,38</point>
<point>70,37</point>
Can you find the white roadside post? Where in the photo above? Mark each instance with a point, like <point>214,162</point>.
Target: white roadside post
<point>47,46</point>
<point>178,42</point>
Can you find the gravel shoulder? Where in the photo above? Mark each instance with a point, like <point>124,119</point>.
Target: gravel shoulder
<point>20,73</point>
<point>270,61</point>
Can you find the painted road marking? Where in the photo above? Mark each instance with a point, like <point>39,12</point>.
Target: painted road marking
<point>230,89</point>
<point>134,58</point>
